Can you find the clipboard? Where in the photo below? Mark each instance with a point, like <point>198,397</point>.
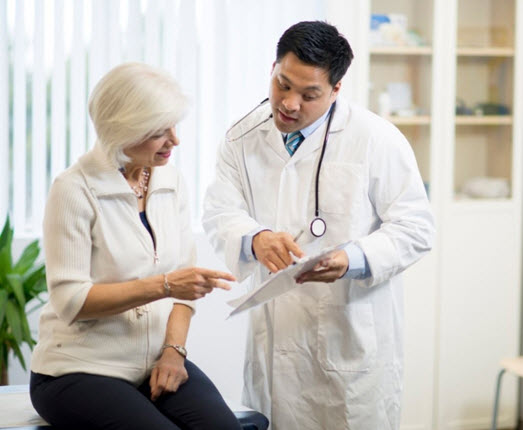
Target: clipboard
<point>279,283</point>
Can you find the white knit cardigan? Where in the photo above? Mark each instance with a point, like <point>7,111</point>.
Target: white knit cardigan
<point>93,234</point>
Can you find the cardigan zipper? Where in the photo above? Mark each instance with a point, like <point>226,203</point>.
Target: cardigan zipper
<point>156,258</point>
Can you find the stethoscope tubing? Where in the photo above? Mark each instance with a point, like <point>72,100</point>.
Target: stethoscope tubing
<point>324,146</point>
<point>245,116</point>
<point>317,220</point>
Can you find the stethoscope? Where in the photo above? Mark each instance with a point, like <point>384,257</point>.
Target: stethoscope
<point>318,226</point>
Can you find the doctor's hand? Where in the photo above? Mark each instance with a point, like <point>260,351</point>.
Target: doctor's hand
<point>168,374</point>
<point>330,269</point>
<point>272,249</point>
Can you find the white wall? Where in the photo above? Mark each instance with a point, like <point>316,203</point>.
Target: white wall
<point>215,344</point>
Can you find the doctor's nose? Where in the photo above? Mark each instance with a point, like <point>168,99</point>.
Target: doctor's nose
<point>291,104</point>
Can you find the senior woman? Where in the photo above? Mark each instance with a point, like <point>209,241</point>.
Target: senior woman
<point>119,256</point>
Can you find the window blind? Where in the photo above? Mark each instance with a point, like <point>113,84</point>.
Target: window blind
<point>53,52</point>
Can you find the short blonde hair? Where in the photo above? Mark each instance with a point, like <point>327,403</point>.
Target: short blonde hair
<point>131,103</point>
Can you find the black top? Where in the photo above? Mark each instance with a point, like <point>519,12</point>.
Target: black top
<point>143,217</point>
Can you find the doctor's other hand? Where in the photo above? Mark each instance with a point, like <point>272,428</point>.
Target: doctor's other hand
<point>273,249</point>
<point>194,283</point>
<point>329,269</point>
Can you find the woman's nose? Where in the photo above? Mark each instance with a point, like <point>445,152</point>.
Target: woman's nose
<point>171,134</point>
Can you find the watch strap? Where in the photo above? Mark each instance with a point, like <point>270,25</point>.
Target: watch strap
<point>178,348</point>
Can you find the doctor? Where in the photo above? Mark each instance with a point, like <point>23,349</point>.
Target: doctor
<point>327,355</point>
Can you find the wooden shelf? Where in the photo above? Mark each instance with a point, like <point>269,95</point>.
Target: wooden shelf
<point>401,50</point>
<point>409,120</point>
<point>483,120</point>
<point>463,204</point>
<point>485,52</point>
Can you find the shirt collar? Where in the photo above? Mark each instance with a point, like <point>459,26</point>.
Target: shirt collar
<point>104,179</point>
<point>307,131</point>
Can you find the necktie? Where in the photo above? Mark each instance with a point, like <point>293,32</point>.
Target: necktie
<point>294,140</point>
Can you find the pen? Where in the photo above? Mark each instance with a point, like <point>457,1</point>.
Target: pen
<point>294,258</point>
<point>298,236</point>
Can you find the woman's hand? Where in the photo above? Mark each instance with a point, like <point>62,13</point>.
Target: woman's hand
<point>195,282</point>
<point>168,374</point>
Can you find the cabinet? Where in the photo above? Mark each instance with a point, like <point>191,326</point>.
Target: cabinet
<point>401,71</point>
<point>480,262</point>
<point>454,65</point>
<point>485,98</point>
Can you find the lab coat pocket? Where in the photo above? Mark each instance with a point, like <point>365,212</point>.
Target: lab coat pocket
<point>341,187</point>
<point>346,337</point>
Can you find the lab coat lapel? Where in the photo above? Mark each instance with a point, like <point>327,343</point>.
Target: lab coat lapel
<point>341,116</point>
<point>310,144</point>
<point>315,141</point>
<point>274,139</point>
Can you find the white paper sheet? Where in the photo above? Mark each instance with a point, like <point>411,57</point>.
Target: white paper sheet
<point>279,283</point>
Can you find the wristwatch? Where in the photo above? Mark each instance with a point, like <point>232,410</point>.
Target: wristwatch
<point>178,348</point>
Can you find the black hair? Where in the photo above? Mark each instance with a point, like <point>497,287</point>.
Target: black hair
<point>319,44</point>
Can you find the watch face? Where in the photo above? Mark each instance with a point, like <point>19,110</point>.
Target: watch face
<point>181,350</point>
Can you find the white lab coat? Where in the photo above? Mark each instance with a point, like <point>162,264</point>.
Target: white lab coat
<point>325,356</point>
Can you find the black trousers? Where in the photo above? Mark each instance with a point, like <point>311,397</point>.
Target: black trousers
<point>84,401</point>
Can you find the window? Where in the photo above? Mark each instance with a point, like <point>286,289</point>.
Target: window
<point>53,52</point>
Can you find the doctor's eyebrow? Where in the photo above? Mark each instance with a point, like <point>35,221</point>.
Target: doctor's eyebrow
<point>309,88</point>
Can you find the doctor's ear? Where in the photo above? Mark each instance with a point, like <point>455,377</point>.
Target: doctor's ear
<point>273,66</point>
<point>335,91</point>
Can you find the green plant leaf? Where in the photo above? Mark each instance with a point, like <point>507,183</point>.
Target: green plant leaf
<point>26,332</point>
<point>15,282</point>
<point>6,239</point>
<point>18,285</point>
<point>3,355</point>
<point>27,259</point>
<point>12,314</point>
<point>3,303</point>
<point>6,231</point>
<point>5,261</point>
<point>18,352</point>
<point>34,283</point>
<point>40,286</point>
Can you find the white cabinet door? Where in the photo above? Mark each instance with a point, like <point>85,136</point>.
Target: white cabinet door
<point>479,313</point>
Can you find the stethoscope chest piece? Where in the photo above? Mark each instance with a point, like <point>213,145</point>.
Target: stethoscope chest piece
<point>318,227</point>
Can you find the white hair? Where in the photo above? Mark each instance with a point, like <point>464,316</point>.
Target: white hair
<point>131,103</point>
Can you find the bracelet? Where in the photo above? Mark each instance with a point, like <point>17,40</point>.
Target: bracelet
<point>166,286</point>
<point>178,348</point>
